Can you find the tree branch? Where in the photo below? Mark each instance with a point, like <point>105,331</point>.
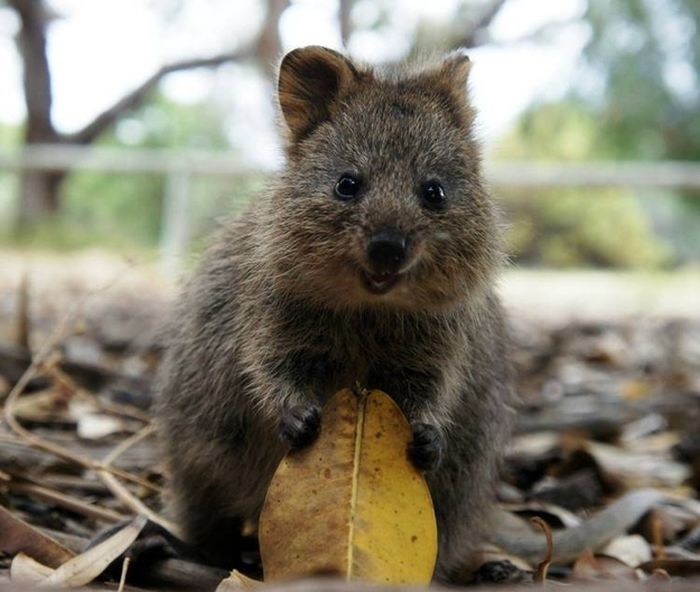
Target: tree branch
<point>266,47</point>
<point>138,95</point>
<point>471,36</point>
<point>269,45</point>
<point>345,22</point>
<point>37,80</point>
<point>536,35</point>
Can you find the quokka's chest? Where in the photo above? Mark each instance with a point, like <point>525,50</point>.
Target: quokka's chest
<point>392,361</point>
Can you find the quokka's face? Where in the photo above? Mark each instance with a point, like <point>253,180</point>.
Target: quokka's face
<point>382,202</point>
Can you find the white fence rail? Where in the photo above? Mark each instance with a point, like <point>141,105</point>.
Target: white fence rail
<point>180,166</point>
<point>206,163</point>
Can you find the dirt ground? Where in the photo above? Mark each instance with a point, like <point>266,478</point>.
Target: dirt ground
<point>549,296</point>
<point>608,373</point>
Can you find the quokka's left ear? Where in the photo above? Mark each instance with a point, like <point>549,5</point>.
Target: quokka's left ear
<point>311,80</point>
<point>454,72</point>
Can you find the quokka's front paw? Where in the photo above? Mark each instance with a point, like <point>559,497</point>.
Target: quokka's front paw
<point>425,450</point>
<point>300,425</point>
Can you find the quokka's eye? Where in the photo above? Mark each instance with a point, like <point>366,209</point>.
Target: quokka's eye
<point>433,195</point>
<point>347,186</point>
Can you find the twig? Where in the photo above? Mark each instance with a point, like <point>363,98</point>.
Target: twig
<point>62,482</point>
<point>63,378</point>
<point>125,569</point>
<point>66,501</point>
<point>117,409</point>
<point>122,493</point>
<point>541,572</point>
<point>128,411</point>
<point>33,441</point>
<point>124,445</point>
<point>37,361</point>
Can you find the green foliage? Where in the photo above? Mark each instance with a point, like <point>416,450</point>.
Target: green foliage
<point>573,227</point>
<point>123,208</point>
<point>8,193</point>
<point>10,135</point>
<point>114,206</point>
<point>124,211</point>
<point>637,97</point>
<point>565,131</point>
<point>9,138</point>
<point>647,55</point>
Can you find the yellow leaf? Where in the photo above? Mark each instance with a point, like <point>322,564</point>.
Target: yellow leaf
<point>634,390</point>
<point>352,504</point>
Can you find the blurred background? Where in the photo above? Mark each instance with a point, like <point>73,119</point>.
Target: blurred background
<point>130,127</point>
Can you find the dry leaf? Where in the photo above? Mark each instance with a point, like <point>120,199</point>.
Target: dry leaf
<point>635,389</point>
<point>94,426</point>
<point>25,570</point>
<point>42,406</point>
<point>640,469</point>
<point>549,512</point>
<point>630,550</point>
<point>236,582</point>
<point>87,566</point>
<point>594,533</point>
<point>17,536</point>
<point>587,567</point>
<point>590,567</point>
<point>489,553</point>
<point>352,504</point>
<point>675,567</point>
<point>614,569</point>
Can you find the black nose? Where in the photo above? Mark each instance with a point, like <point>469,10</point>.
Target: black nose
<point>386,251</point>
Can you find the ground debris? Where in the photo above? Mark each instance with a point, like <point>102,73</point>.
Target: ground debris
<point>607,408</point>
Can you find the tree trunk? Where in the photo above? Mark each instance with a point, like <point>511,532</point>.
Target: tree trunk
<point>38,197</point>
<point>269,46</point>
<point>39,190</point>
<point>345,21</point>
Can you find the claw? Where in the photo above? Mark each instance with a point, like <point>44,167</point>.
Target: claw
<point>425,450</point>
<point>300,425</point>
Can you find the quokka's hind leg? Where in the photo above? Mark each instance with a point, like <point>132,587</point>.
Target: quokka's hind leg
<point>210,527</point>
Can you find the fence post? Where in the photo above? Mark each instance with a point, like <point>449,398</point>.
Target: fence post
<point>175,227</point>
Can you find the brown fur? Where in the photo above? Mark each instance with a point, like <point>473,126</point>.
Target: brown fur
<point>277,316</point>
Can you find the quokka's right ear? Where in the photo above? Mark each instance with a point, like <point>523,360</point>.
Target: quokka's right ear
<point>311,80</point>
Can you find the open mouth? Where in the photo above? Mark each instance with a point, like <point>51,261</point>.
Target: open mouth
<point>379,283</point>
